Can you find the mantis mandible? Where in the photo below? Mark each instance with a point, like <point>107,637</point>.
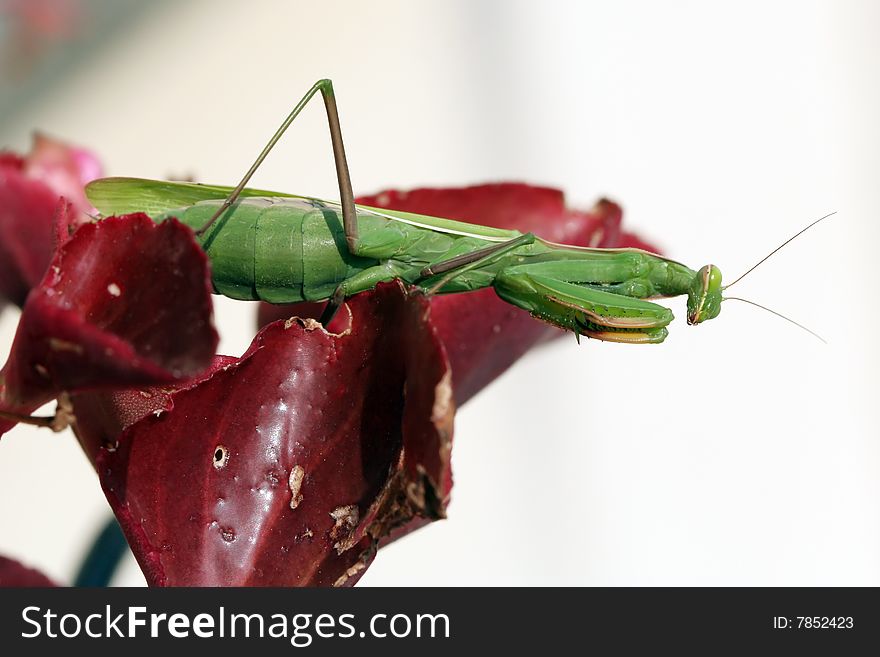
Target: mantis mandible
<point>284,248</point>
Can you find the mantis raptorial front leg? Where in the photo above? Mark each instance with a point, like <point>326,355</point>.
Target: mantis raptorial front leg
<point>553,292</point>
<point>583,309</point>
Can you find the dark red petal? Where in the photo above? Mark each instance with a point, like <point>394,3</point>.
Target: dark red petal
<point>65,168</point>
<point>526,208</point>
<point>359,425</point>
<point>633,241</point>
<point>484,335</point>
<point>11,160</point>
<point>15,574</point>
<point>27,212</point>
<point>101,417</point>
<point>30,189</point>
<point>125,302</point>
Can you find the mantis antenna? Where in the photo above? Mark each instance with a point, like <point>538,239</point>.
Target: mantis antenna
<point>767,257</point>
<point>769,310</point>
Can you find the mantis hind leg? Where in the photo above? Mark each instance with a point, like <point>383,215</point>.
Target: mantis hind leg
<point>346,195</point>
<point>584,309</point>
<point>349,216</point>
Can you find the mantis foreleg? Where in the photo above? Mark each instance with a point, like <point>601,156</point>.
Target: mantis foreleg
<point>582,308</point>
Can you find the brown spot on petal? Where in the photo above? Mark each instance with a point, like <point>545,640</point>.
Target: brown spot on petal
<point>295,482</point>
<point>347,518</point>
<point>56,344</point>
<point>64,416</point>
<point>348,574</point>
<point>443,412</point>
<point>311,324</point>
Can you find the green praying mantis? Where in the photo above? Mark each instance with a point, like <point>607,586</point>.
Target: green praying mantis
<point>284,248</point>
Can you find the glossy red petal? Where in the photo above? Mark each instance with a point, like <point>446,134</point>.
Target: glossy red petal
<point>125,302</point>
<point>484,335</point>
<point>287,466</point>
<point>15,574</point>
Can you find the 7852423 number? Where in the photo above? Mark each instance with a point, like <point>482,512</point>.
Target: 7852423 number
<point>824,622</point>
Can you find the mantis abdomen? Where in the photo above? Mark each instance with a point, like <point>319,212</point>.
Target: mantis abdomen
<point>286,250</point>
<point>273,250</point>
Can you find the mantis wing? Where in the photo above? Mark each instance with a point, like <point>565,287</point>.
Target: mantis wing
<point>154,197</point>
<point>125,195</point>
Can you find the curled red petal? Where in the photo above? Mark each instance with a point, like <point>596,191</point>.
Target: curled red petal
<point>484,335</point>
<point>125,302</point>
<point>287,466</point>
<point>64,168</point>
<point>27,211</point>
<point>30,190</point>
<point>15,574</point>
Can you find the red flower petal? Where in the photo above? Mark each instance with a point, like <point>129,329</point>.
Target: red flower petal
<point>286,467</point>
<point>101,417</point>
<point>15,574</point>
<point>633,241</point>
<point>27,210</point>
<point>65,169</point>
<point>540,210</point>
<point>29,203</point>
<point>484,335</point>
<point>126,302</point>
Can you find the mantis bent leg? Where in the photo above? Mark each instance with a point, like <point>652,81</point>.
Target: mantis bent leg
<point>583,309</point>
<point>349,216</point>
<point>475,256</point>
<point>360,282</point>
<point>460,264</point>
<point>369,278</point>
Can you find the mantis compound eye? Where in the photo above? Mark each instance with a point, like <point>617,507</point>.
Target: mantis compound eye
<point>704,297</point>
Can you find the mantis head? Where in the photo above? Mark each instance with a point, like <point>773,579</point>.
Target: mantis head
<point>704,295</point>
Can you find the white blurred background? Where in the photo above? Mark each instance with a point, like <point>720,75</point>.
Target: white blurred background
<point>741,452</point>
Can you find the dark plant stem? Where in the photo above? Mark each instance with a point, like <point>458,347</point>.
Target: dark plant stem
<point>103,557</point>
